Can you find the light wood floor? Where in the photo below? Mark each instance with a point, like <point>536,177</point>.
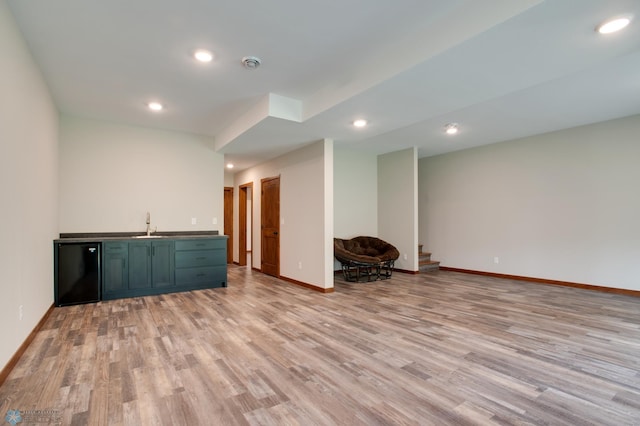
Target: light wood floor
<point>438,348</point>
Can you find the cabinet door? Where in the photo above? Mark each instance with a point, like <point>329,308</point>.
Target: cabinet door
<point>115,267</point>
<point>162,263</point>
<point>139,264</point>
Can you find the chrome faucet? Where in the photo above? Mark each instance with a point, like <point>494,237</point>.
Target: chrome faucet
<point>149,231</point>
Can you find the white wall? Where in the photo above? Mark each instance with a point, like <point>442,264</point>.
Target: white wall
<point>398,204</point>
<point>228,178</point>
<point>28,189</point>
<point>306,197</point>
<point>355,193</point>
<point>562,206</point>
<point>111,175</point>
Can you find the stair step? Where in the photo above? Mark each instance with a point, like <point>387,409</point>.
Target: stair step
<point>425,264</point>
<point>431,265</point>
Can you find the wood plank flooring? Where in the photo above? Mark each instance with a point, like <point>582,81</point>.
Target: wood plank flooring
<point>431,349</point>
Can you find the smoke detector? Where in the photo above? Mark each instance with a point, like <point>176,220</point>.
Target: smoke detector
<point>251,62</point>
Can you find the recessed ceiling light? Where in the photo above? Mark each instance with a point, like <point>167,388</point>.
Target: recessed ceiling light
<point>360,123</point>
<point>155,106</point>
<point>613,25</point>
<point>451,128</point>
<point>203,55</point>
<point>251,62</point>
<point>229,166</point>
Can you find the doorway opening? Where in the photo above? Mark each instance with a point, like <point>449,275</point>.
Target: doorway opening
<point>245,225</point>
<point>228,221</point>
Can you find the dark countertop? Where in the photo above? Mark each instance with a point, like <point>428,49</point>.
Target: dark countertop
<point>110,236</point>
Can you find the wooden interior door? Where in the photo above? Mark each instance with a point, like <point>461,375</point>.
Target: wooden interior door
<point>270,214</point>
<point>228,221</point>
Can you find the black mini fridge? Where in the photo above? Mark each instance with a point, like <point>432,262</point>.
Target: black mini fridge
<point>77,273</point>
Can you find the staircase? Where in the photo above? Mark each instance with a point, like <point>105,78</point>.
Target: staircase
<point>424,261</point>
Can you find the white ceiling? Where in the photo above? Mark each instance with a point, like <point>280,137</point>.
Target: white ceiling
<point>502,69</point>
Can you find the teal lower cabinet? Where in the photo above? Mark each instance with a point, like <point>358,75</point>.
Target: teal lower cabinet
<point>142,267</point>
<point>162,261</point>
<point>115,268</point>
<point>139,265</point>
<point>201,263</point>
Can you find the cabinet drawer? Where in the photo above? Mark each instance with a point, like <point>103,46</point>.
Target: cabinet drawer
<point>201,275</point>
<point>201,244</point>
<point>112,247</point>
<point>189,259</point>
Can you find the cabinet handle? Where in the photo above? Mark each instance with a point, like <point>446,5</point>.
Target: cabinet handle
<point>200,245</point>
<point>201,275</point>
<point>200,258</point>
